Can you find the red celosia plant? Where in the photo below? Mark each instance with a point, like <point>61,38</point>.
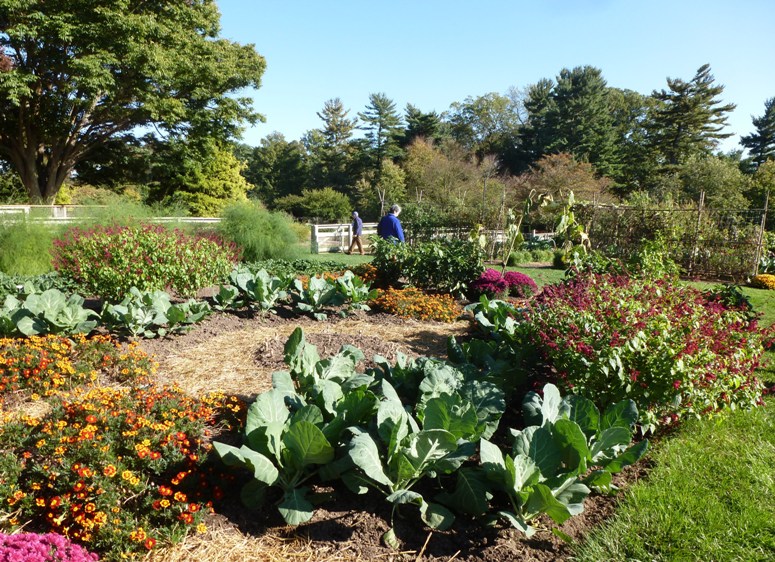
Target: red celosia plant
<point>108,260</point>
<point>670,348</point>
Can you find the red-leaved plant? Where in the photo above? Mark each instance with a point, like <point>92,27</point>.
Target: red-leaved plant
<point>108,260</point>
<point>670,348</point>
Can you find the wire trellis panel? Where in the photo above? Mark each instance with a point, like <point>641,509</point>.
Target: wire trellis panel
<point>706,243</point>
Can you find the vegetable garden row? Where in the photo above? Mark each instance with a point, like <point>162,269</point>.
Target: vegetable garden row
<point>583,371</point>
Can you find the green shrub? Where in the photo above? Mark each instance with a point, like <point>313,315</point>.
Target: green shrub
<point>259,233</point>
<point>293,268</point>
<point>390,260</point>
<point>108,261</point>
<point>518,257</point>
<point>326,205</point>
<point>542,255</point>
<point>653,260</point>
<point>26,248</point>
<point>439,265</point>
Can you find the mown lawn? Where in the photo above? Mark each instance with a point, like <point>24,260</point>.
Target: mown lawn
<point>709,496</point>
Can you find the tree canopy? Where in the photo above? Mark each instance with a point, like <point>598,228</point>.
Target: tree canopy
<point>75,73</point>
<point>761,143</point>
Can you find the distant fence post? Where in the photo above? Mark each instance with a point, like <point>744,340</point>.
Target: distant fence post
<point>696,241</point>
<point>759,242</point>
<point>313,239</point>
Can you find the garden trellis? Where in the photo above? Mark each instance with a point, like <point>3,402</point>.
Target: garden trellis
<point>707,243</point>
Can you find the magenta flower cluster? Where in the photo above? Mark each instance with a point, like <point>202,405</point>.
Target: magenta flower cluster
<point>513,283</point>
<point>31,547</point>
<point>520,285</point>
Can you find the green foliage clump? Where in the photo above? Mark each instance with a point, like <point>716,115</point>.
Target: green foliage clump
<point>652,260</point>
<point>325,205</point>
<point>446,266</point>
<point>49,312</point>
<point>151,313</point>
<point>108,261</point>
<point>26,248</point>
<point>259,233</point>
<point>18,285</point>
<point>398,427</point>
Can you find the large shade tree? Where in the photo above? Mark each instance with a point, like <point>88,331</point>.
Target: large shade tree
<point>76,73</point>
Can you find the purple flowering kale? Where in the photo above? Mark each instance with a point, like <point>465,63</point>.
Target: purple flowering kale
<point>31,547</point>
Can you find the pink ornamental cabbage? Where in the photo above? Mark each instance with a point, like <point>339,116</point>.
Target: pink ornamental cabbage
<point>31,547</point>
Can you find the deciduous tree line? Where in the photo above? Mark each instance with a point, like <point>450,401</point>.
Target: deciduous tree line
<point>115,94</point>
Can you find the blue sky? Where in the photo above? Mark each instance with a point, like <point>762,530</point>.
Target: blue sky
<point>431,52</point>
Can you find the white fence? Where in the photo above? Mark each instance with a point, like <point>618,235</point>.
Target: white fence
<point>337,237</point>
<point>57,214</point>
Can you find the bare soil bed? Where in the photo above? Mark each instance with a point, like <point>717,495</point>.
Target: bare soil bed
<point>237,355</point>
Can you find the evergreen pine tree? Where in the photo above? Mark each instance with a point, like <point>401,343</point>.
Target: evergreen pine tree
<point>689,118</point>
<point>580,120</point>
<point>761,143</point>
<point>383,126</point>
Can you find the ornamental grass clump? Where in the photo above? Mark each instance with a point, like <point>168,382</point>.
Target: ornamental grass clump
<point>108,260</point>
<point>672,349</point>
<point>116,470</point>
<point>50,547</point>
<point>413,303</point>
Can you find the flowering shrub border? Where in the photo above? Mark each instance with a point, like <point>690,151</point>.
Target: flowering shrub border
<point>108,260</point>
<point>42,366</point>
<point>117,470</point>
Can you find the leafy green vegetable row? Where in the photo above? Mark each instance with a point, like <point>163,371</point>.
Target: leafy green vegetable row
<point>426,421</point>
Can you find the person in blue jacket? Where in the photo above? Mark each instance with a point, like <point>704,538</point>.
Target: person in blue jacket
<point>389,225</point>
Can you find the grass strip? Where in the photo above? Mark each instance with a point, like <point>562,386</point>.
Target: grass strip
<point>708,497</point>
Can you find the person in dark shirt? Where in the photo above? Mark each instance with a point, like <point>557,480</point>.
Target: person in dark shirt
<point>357,233</point>
<point>389,226</point>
